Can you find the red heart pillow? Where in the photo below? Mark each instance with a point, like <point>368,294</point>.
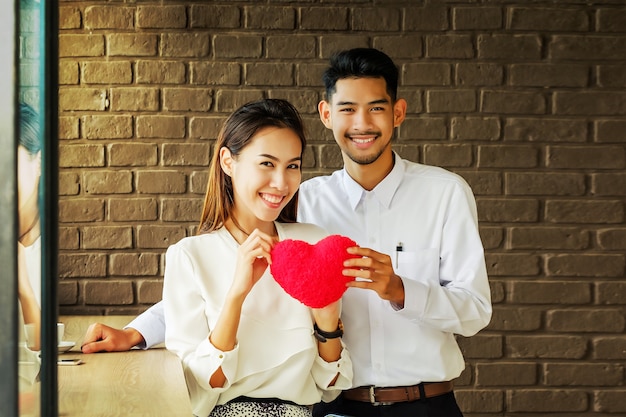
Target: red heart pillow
<point>312,273</point>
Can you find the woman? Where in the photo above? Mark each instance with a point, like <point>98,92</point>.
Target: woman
<point>246,346</point>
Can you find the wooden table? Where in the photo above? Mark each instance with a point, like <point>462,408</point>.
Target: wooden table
<point>134,383</point>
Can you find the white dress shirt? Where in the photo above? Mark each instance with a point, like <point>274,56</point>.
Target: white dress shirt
<point>430,214</point>
<point>276,353</point>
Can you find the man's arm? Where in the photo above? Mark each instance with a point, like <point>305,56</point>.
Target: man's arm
<point>145,331</point>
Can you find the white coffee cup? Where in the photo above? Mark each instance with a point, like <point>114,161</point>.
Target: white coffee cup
<point>60,332</point>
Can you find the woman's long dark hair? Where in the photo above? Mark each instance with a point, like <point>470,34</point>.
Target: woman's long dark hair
<point>236,133</point>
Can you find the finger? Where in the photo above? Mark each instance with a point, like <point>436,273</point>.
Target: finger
<point>95,347</point>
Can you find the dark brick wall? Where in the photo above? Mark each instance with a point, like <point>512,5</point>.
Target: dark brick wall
<point>526,100</point>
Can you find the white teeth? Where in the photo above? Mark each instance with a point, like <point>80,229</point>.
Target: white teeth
<point>271,198</point>
<point>363,140</point>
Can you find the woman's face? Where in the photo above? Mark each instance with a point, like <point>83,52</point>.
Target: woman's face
<point>28,174</point>
<point>265,175</point>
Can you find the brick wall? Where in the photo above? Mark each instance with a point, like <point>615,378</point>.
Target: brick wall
<point>526,100</point>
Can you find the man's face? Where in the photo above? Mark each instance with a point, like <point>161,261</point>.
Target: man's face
<point>362,117</point>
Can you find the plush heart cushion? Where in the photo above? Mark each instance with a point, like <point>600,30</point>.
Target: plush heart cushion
<point>312,273</point>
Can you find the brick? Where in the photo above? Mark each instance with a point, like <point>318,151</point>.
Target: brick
<point>205,127</point>
<point>68,238</point>
<point>291,47</point>
<point>269,17</point>
<point>605,401</point>
<point>330,157</point>
<point>590,103</point>
<point>309,75</point>
<point>434,74</point>
<point>132,154</point>
<point>497,291</point>
<point>479,401</point>
<point>472,18</point>
<point>479,74</point>
<point>161,17</point>
<point>165,127</point>
<point>587,374</point>
<point>549,292</point>
<point>107,237</point>
<point>506,264</point>
<point>81,210</point>
<point>82,99</point>
<point>512,102</point>
<point>69,183</point>
<point>68,127</point>
<point>449,46</point>
<point>483,183</point>
<point>546,401</point>
<point>502,373</point>
<point>515,319</point>
<point>581,211</point>
<point>134,264</point>
<point>549,75</point>
<point>149,292</point>
<point>107,127</point>
<point>609,131</point>
<point>510,156</point>
<point>181,209</point>
<point>68,72</point>
<point>81,156</point>
<point>132,209</point>
<point>378,19</point>
<point>594,320</point>
<point>187,99</point>
<point>507,210</point>
<point>453,101</point>
<point>229,100</point>
<point>411,153</point>
<point>610,20</point>
<point>611,76</point>
<point>609,347</point>
<point>81,45</point>
<point>546,347</point>
<point>608,184</point>
<point>161,182</point>
<point>134,99</point>
<point>214,16</point>
<point>82,265</point>
<point>159,237</point>
<point>185,154</point>
<point>545,130</point>
<point>547,19</point>
<point>109,17</point>
<point>428,18</point>
<point>198,182</point>
<point>234,46</point>
<point>215,73</point>
<point>448,155</point>
<point>481,346</point>
<point>586,47</point>
<point>324,18</point>
<point>305,101</point>
<point>270,74</point>
<point>108,182</point>
<point>612,239</point>
<point>474,128</point>
<point>610,293</point>
<point>186,45</point>
<point>67,293</point>
<point>129,44</point>
<point>509,47</point>
<point>586,265</point>
<point>492,237</point>
<point>394,45</point>
<point>544,183</point>
<point>160,72</point>
<point>422,128</point>
<point>108,292</point>
<point>548,238</point>
<point>69,17</point>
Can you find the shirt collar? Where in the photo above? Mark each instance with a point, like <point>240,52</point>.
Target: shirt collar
<point>383,192</point>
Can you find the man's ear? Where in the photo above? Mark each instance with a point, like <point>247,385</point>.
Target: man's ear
<point>399,112</point>
<point>324,110</point>
<point>226,160</point>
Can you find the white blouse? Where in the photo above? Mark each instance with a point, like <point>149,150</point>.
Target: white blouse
<point>276,353</point>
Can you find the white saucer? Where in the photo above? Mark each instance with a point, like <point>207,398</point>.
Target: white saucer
<point>65,346</point>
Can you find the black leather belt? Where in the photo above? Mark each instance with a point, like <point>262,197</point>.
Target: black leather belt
<point>390,395</point>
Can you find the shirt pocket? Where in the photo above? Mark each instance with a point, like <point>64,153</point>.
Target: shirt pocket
<point>420,265</point>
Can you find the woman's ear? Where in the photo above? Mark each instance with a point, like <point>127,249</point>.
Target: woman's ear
<point>226,160</point>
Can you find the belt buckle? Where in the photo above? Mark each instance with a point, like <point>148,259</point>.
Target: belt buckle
<point>373,398</point>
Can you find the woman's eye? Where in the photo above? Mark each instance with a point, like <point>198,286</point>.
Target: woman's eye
<point>294,166</point>
<point>267,164</point>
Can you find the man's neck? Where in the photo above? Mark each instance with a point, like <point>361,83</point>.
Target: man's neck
<point>370,175</point>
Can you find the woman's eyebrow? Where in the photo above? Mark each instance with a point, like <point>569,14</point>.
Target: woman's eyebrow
<point>273,158</point>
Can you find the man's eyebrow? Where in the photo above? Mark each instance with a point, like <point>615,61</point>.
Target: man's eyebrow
<point>350,103</point>
<point>273,158</point>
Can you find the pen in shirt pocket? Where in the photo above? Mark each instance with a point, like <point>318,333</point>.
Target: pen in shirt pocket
<point>398,250</point>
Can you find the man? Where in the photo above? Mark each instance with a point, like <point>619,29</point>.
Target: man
<point>421,276</point>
